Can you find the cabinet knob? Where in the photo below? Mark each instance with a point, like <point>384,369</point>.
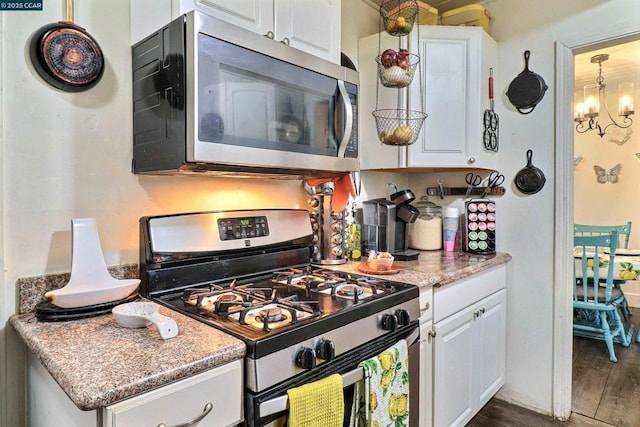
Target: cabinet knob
<point>432,334</point>
<point>270,35</point>
<point>472,160</point>
<point>207,408</point>
<point>285,41</point>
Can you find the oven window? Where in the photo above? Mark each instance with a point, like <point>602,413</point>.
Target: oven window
<point>249,99</point>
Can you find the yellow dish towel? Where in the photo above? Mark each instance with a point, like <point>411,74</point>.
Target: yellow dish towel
<point>382,397</point>
<point>317,404</point>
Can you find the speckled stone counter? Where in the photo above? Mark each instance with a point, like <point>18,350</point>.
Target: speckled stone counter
<point>97,362</point>
<point>438,268</point>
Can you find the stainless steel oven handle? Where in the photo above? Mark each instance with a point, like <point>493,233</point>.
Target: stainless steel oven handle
<point>207,408</point>
<point>279,404</point>
<point>348,127</point>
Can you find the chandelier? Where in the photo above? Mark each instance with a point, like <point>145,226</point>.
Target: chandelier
<point>587,103</point>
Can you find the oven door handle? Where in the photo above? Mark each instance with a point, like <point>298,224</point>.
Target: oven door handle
<point>279,404</point>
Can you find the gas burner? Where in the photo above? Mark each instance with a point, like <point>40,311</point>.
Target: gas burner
<point>287,276</point>
<point>228,297</point>
<point>316,283</point>
<point>349,290</point>
<point>269,315</point>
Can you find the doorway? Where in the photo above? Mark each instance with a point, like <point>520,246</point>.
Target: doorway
<point>564,208</point>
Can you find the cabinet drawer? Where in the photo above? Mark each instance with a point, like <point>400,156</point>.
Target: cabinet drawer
<point>185,401</point>
<point>456,296</point>
<point>426,304</point>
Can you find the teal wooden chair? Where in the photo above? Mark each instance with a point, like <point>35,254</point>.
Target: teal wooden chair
<point>596,307</point>
<point>624,232</point>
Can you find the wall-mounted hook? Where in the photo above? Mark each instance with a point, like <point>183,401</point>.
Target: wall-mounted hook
<point>441,187</point>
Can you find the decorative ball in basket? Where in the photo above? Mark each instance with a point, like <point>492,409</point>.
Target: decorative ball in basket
<point>398,16</point>
<point>396,69</point>
<point>398,127</point>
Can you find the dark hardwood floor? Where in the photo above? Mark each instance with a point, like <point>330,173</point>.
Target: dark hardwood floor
<point>605,394</point>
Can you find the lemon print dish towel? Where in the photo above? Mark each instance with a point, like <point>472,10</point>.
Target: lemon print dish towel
<point>317,404</point>
<point>382,398</point>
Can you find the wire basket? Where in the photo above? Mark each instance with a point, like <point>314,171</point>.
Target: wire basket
<point>398,16</point>
<point>398,127</point>
<point>396,75</point>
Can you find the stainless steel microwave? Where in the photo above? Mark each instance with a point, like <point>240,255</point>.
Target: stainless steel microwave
<point>209,96</point>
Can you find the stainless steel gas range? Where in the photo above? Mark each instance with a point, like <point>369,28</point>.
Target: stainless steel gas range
<point>249,274</point>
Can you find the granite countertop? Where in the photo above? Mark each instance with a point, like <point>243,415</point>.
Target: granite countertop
<point>97,362</point>
<point>437,268</point>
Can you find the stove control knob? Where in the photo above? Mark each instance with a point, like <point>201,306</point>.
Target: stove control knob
<point>403,317</point>
<point>326,350</point>
<point>306,358</point>
<point>389,322</point>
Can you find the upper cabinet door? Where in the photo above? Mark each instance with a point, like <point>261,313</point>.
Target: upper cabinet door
<point>310,25</point>
<point>375,155</point>
<point>254,15</point>
<point>456,63</point>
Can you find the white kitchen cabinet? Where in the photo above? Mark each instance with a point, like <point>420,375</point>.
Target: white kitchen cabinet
<point>426,357</point>
<point>214,397</point>
<point>469,347</point>
<point>312,26</point>
<point>455,65</point>
<point>173,404</point>
<point>373,154</point>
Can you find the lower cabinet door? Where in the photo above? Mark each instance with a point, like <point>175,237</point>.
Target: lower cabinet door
<point>491,345</point>
<point>453,391</point>
<point>209,399</point>
<point>426,374</point>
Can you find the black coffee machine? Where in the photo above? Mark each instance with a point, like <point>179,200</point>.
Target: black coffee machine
<point>384,224</point>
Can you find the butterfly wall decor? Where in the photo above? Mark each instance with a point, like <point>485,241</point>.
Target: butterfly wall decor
<point>577,160</point>
<point>603,176</point>
<point>619,136</point>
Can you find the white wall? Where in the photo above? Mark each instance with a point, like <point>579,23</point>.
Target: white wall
<point>526,223</point>
<point>528,227</point>
<point>608,203</point>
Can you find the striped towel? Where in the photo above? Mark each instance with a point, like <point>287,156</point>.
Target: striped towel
<point>317,404</point>
<point>382,397</point>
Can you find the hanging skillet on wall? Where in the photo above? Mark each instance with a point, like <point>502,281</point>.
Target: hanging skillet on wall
<point>65,55</point>
<point>527,89</point>
<point>530,179</point>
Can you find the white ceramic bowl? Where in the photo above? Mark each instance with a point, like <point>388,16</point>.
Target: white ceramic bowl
<point>141,314</point>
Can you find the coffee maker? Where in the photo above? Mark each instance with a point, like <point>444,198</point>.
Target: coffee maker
<point>384,224</point>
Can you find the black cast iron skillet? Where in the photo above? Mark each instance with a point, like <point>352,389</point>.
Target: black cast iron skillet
<point>530,179</point>
<point>527,89</point>
<point>66,56</point>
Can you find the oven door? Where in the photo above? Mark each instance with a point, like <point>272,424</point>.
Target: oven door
<point>269,407</point>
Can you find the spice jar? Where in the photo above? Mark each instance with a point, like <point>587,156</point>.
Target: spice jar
<point>426,232</point>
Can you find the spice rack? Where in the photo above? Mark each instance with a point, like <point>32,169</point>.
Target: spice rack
<point>395,71</point>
